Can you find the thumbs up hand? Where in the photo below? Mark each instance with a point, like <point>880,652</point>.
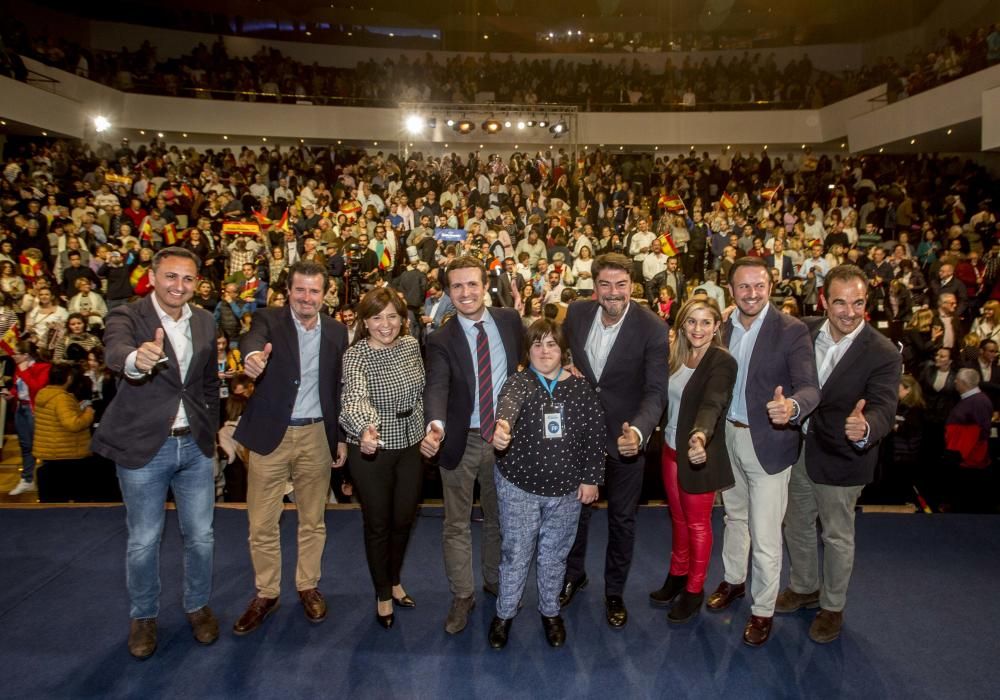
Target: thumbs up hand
<point>501,435</point>
<point>256,362</point>
<point>780,409</point>
<point>369,440</point>
<point>431,443</point>
<point>150,352</point>
<point>856,426</point>
<point>696,448</point>
<point>628,442</point>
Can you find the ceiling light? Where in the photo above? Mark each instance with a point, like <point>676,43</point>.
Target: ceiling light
<point>559,128</point>
<point>45,133</point>
<point>880,150</point>
<point>948,132</point>
<point>530,122</point>
<point>414,123</point>
<point>464,126</point>
<point>912,141</point>
<point>521,125</point>
<point>507,124</point>
<point>225,138</point>
<point>375,142</point>
<point>142,131</point>
<point>492,126</point>
<point>185,136</point>
<point>101,124</point>
<point>486,36</point>
<point>263,138</point>
<point>159,134</point>
<point>542,123</point>
<point>3,123</point>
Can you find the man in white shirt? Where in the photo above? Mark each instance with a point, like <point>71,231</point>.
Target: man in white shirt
<point>641,244</point>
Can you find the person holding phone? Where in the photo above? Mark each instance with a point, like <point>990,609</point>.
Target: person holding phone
<point>551,436</point>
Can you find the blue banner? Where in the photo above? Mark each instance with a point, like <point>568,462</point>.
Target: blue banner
<point>450,234</point>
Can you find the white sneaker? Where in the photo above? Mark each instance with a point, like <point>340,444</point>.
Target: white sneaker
<point>23,487</point>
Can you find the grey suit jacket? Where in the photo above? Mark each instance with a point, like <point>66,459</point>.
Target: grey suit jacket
<point>782,356</point>
<point>138,421</point>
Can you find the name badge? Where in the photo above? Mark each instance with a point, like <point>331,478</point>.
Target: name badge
<point>552,422</point>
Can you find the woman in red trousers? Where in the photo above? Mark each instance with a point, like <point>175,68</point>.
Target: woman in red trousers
<point>695,461</point>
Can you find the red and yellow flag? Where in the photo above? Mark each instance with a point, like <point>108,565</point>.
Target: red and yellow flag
<point>385,262</point>
<point>667,244</point>
<point>283,223</point>
<point>672,203</point>
<point>350,208</point>
<point>170,236</point>
<point>146,231</point>
<point>30,268</point>
<point>8,341</point>
<point>137,274</point>
<point>187,191</point>
<point>769,193</point>
<point>727,201</point>
<point>261,219</point>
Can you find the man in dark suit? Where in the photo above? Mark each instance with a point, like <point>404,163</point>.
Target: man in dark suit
<point>988,369</point>
<point>779,260</point>
<point>947,283</point>
<point>621,348</point>
<point>859,371</point>
<point>774,356</point>
<point>290,427</point>
<point>160,432</point>
<point>468,361</point>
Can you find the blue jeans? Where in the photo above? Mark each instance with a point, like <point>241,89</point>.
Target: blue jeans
<point>528,521</point>
<point>24,424</point>
<point>181,467</point>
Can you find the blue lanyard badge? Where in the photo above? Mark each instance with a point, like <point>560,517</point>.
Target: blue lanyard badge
<point>552,416</point>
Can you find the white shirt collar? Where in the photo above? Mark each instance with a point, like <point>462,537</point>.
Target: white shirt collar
<point>737,314</point>
<point>825,329</point>
<point>164,316</point>
<point>971,392</point>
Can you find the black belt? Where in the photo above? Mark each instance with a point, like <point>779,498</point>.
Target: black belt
<point>180,432</point>
<point>299,422</point>
<point>404,414</point>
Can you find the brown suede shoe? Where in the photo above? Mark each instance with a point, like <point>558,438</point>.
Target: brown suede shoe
<point>789,601</point>
<point>826,627</point>
<point>255,614</point>
<point>725,594</point>
<point>204,625</point>
<point>142,638</point>
<point>757,631</point>
<point>313,604</point>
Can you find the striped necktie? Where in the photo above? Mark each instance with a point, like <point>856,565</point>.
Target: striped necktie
<point>485,375</point>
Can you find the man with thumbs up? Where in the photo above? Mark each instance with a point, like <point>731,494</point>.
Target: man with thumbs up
<point>775,390</point>
<point>295,354</point>
<point>859,371</point>
<point>160,432</point>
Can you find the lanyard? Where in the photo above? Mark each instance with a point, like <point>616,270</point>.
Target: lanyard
<point>550,388</point>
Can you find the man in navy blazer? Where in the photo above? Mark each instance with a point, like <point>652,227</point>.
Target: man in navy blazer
<point>291,428</point>
<point>859,372</point>
<point>621,348</point>
<point>160,432</point>
<point>468,361</point>
<point>775,390</point>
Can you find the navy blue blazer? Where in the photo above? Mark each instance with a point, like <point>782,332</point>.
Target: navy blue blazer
<point>266,417</point>
<point>633,386</point>
<point>869,370</point>
<point>138,421</point>
<point>450,389</point>
<point>782,356</point>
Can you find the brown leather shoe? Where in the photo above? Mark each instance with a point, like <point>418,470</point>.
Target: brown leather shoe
<point>142,638</point>
<point>725,594</point>
<point>826,627</point>
<point>757,631</point>
<point>254,615</point>
<point>789,601</point>
<point>204,625</point>
<point>313,604</point>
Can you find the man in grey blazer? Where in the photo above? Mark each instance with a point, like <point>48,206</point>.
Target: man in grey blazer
<point>859,371</point>
<point>775,390</point>
<point>160,432</point>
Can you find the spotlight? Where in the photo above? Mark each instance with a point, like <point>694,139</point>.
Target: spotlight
<point>542,123</point>
<point>464,127</point>
<point>492,126</point>
<point>414,123</point>
<point>101,124</point>
<point>521,125</point>
<point>530,122</point>
<point>559,128</point>
<point>450,122</point>
<point>507,124</point>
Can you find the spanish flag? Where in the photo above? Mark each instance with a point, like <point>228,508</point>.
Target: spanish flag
<point>768,194</point>
<point>146,231</point>
<point>186,190</point>
<point>261,219</point>
<point>30,268</point>
<point>384,262</point>
<point>283,224</point>
<point>170,234</point>
<point>8,342</point>
<point>151,191</point>
<point>667,244</point>
<point>671,203</point>
<point>350,208</point>
<point>137,274</point>
<point>727,201</point>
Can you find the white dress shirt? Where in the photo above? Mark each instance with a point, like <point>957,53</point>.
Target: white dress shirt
<point>179,334</point>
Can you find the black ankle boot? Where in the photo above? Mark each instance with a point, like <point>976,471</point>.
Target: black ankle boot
<point>686,607</point>
<point>671,587</point>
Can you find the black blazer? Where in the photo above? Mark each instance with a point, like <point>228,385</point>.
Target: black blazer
<point>138,420</point>
<point>704,404</point>
<point>633,386</point>
<point>870,370</point>
<point>266,417</point>
<point>450,391</point>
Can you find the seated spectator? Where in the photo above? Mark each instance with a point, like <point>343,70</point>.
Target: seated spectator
<point>76,342</point>
<point>40,321</point>
<point>89,304</point>
<point>62,438</point>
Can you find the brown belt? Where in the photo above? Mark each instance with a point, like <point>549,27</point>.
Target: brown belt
<point>737,424</point>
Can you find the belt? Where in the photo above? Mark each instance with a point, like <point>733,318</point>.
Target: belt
<point>180,432</point>
<point>737,424</point>
<point>404,414</point>
<point>299,422</point>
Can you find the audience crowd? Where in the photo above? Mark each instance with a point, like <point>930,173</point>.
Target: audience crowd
<point>754,78</point>
<point>78,227</point>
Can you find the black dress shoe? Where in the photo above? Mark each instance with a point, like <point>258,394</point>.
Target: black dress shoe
<point>614,610</point>
<point>686,607</point>
<point>384,620</point>
<point>499,629</point>
<point>555,630</point>
<point>405,602</point>
<point>569,590</point>
<point>671,588</point>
